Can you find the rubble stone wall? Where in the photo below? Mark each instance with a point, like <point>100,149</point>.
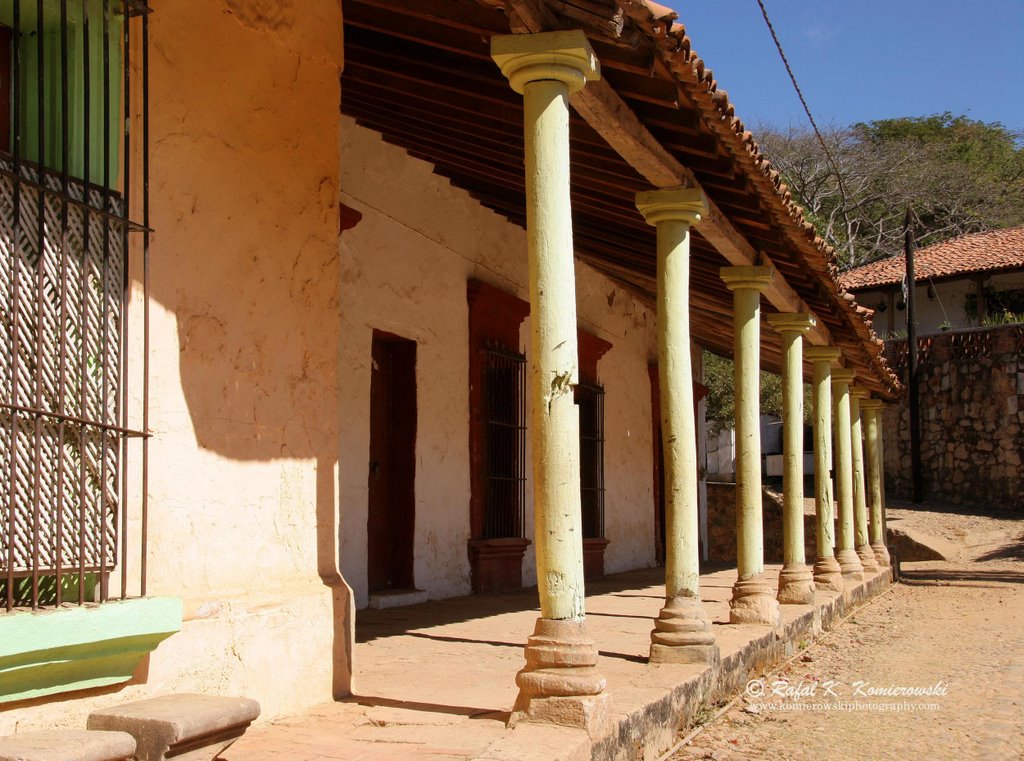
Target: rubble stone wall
<point>722,525</point>
<point>972,419</point>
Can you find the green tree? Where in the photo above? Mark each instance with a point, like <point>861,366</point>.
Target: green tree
<point>960,175</point>
<point>720,410</point>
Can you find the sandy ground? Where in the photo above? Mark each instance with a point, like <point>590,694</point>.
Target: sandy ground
<point>952,628</point>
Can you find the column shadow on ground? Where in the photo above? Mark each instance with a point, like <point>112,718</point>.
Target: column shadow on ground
<point>470,712</point>
<point>393,622</point>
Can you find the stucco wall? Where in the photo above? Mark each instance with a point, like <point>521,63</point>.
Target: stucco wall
<point>947,305</point>
<point>243,408</point>
<point>404,270</point>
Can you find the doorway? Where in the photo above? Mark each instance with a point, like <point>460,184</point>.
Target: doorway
<point>391,519</point>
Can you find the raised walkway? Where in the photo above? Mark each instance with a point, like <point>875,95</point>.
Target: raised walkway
<point>436,681</point>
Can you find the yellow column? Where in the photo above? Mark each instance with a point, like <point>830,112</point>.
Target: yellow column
<point>845,552</point>
<point>871,409</point>
<point>752,598</point>
<point>796,582</point>
<point>560,683</point>
<point>682,631</point>
<point>827,573</point>
<point>860,502</point>
<point>881,471</point>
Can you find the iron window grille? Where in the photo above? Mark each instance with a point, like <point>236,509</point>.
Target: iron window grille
<point>590,400</point>
<point>504,389</point>
<point>73,412</point>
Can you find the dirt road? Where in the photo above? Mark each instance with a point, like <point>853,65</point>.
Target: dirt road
<point>933,669</point>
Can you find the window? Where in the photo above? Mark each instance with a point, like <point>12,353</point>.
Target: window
<point>77,129</point>
<point>66,239</point>
<point>497,439</point>
<point>590,400</point>
<point>5,88</point>
<point>504,385</point>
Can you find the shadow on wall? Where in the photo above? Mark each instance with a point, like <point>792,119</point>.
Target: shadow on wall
<point>245,256</point>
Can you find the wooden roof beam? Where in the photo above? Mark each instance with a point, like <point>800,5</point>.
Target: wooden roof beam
<point>609,115</point>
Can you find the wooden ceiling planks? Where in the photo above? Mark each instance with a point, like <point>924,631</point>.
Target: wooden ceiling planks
<point>419,72</point>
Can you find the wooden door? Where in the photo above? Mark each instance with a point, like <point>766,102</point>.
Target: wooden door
<point>391,519</point>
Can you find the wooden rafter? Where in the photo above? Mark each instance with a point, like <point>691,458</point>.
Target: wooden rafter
<point>609,115</point>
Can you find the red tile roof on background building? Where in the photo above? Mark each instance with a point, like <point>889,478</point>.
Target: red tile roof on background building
<point>981,252</point>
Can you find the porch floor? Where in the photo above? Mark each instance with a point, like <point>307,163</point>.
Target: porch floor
<point>436,681</point>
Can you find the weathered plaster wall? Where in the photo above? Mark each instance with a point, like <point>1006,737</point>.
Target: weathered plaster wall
<point>244,411</point>
<point>971,393</point>
<point>404,270</point>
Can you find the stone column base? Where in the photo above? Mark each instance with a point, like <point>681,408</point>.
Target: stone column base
<point>881,555</point>
<point>796,585</point>
<point>849,564</point>
<point>560,683</point>
<point>867,558</point>
<point>753,602</point>
<point>682,634</point>
<point>828,575</point>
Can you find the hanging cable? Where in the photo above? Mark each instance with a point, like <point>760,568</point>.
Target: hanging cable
<point>938,298</point>
<point>807,110</point>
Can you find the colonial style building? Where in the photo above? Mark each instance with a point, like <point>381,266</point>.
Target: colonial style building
<point>263,365</point>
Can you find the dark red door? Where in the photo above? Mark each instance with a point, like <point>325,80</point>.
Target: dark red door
<point>391,520</point>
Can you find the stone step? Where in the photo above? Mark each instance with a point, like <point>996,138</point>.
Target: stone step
<point>397,598</point>
<point>185,727</point>
<point>67,745</point>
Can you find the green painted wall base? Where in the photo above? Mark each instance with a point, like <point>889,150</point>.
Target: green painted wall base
<point>49,652</point>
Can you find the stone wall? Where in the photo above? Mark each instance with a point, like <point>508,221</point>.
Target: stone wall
<point>972,419</point>
<point>722,525</point>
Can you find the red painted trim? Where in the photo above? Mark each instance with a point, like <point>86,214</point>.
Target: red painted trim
<point>591,349</point>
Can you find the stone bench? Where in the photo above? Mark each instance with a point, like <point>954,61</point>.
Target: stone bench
<point>185,727</point>
<point>67,745</point>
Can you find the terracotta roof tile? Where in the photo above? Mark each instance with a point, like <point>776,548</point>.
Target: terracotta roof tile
<point>981,252</point>
<point>690,71</point>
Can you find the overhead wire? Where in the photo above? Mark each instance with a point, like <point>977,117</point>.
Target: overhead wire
<point>807,110</point>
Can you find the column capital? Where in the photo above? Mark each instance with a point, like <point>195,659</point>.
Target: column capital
<point>842,375</point>
<point>672,205</point>
<point>747,277</point>
<point>822,354</point>
<point>870,404</point>
<point>792,322</point>
<point>859,392</point>
<point>563,56</point>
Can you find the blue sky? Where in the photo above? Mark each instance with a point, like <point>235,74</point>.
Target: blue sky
<point>858,60</point>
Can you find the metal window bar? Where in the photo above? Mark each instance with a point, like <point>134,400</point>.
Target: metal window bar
<point>504,389</point>
<point>590,400</point>
<point>66,417</point>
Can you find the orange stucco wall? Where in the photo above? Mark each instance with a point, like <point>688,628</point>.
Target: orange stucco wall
<point>243,460</point>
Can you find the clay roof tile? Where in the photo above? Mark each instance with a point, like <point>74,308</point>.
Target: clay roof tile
<point>991,251</point>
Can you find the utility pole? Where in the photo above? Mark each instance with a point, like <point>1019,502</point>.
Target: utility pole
<point>917,486</point>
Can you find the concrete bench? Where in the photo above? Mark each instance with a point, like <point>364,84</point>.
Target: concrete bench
<point>67,745</point>
<point>186,727</point>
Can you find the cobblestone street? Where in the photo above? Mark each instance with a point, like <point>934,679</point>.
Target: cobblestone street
<point>956,624</point>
